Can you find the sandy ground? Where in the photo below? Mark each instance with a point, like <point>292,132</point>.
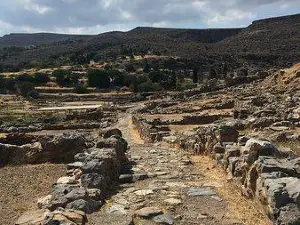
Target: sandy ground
<point>21,186</point>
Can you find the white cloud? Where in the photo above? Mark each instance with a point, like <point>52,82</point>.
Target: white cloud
<point>31,6</point>
<point>92,16</point>
<point>230,16</point>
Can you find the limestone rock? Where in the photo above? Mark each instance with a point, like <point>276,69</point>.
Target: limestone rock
<point>173,201</point>
<point>32,217</point>
<point>148,212</point>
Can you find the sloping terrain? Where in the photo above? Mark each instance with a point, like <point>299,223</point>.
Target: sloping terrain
<point>25,40</point>
<point>265,43</point>
<point>285,79</point>
<point>272,41</point>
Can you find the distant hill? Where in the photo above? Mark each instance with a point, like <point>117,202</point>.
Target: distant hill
<point>24,40</point>
<point>273,41</point>
<point>265,43</point>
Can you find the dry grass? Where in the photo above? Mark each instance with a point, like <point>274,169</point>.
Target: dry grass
<point>247,211</point>
<point>182,128</point>
<point>293,145</point>
<point>164,116</point>
<point>134,133</point>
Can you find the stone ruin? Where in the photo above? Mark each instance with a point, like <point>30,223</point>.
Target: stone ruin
<point>264,172</point>
<point>94,166</point>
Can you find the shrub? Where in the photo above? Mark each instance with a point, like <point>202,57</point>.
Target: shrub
<point>10,84</point>
<point>80,88</point>
<point>24,88</point>
<point>130,68</point>
<point>185,85</point>
<point>149,87</point>
<point>243,72</point>
<point>25,78</point>
<point>41,78</point>
<point>118,78</point>
<point>195,75</point>
<point>147,68</point>
<point>65,77</point>
<point>98,78</point>
<point>212,73</point>
<point>33,94</point>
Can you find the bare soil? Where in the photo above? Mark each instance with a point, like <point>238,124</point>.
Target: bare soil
<point>21,186</point>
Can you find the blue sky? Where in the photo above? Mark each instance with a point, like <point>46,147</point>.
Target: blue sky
<point>97,16</point>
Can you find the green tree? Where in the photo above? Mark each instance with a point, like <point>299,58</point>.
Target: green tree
<point>80,88</point>
<point>41,78</point>
<point>98,78</point>
<point>25,78</point>
<point>195,75</point>
<point>24,88</point>
<point>65,77</point>
<point>149,86</point>
<point>212,73</point>
<point>130,68</point>
<point>117,78</point>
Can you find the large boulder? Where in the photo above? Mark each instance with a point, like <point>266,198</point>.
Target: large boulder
<point>66,217</point>
<point>87,206</point>
<point>94,180</point>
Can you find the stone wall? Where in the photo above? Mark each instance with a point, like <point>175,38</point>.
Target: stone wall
<point>150,131</point>
<point>266,173</point>
<point>88,182</point>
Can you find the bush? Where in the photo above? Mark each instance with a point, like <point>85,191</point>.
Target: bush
<point>25,78</point>
<point>243,72</point>
<point>80,88</point>
<point>130,68</point>
<point>212,73</point>
<point>65,77</point>
<point>149,87</point>
<point>118,78</point>
<point>41,78</point>
<point>24,88</point>
<point>185,85</point>
<point>10,84</point>
<point>33,94</point>
<point>98,78</point>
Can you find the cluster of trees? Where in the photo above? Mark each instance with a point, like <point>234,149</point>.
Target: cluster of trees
<point>23,84</point>
<point>153,81</point>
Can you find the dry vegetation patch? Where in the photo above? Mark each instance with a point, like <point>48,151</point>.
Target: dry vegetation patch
<point>240,208</point>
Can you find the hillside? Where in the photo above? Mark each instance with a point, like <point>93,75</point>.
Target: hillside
<point>24,40</point>
<point>265,43</point>
<point>274,41</point>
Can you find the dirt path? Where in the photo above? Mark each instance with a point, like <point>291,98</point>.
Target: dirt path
<point>188,190</point>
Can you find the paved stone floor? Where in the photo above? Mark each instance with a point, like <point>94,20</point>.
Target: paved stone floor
<point>168,187</point>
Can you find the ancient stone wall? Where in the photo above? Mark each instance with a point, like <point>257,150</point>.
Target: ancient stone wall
<point>90,177</point>
<point>265,172</point>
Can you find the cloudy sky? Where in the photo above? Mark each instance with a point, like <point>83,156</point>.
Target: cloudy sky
<point>97,16</point>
